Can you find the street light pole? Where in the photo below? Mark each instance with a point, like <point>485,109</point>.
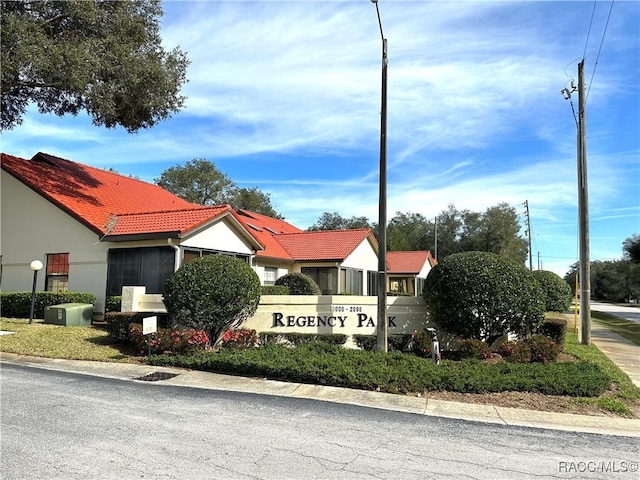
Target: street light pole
<point>382,325</point>
<point>35,266</point>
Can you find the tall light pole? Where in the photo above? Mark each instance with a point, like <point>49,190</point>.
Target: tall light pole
<point>382,326</point>
<point>36,266</point>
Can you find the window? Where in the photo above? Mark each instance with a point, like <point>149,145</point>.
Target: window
<point>419,286</point>
<point>57,279</point>
<point>149,267</point>
<point>270,274</point>
<point>351,281</point>
<point>372,283</point>
<point>398,285</point>
<point>326,278</point>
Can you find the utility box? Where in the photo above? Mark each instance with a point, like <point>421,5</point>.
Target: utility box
<point>69,314</point>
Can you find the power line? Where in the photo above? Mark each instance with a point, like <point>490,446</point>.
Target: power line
<point>593,11</point>
<point>599,50</point>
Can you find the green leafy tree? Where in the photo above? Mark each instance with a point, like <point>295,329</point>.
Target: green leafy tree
<point>557,292</point>
<point>410,231</point>
<point>255,200</point>
<point>105,58</point>
<point>482,296</point>
<point>334,221</point>
<point>198,181</point>
<point>631,248</point>
<point>212,293</point>
<point>299,284</point>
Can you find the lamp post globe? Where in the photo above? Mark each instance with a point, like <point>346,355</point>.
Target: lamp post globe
<point>36,265</point>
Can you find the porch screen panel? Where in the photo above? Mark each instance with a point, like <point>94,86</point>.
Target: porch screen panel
<point>149,267</point>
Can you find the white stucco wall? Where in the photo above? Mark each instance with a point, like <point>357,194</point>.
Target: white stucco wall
<point>31,228</point>
<point>221,235</point>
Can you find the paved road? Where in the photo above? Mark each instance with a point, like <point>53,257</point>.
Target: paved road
<point>58,425</point>
<point>629,312</point>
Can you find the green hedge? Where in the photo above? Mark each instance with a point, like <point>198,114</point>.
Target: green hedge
<point>300,338</point>
<point>117,323</point>
<point>18,304</point>
<point>395,342</point>
<point>555,328</point>
<point>274,290</point>
<point>323,364</point>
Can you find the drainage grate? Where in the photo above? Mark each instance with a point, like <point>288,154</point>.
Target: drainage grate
<point>155,376</point>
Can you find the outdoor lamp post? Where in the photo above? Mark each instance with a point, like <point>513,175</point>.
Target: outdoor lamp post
<point>36,265</point>
<point>382,326</point>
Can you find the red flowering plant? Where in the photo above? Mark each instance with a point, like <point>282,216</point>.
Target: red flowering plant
<point>167,341</point>
<point>420,344</point>
<point>241,338</point>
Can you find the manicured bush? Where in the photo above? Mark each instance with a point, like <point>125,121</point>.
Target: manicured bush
<point>113,304</point>
<point>533,349</point>
<point>420,344</point>
<point>299,284</point>
<point>117,323</point>
<point>294,338</point>
<point>482,296</point>
<point>18,304</point>
<point>555,328</point>
<point>212,293</point>
<point>168,341</point>
<point>395,342</point>
<point>557,292</point>
<point>274,290</point>
<point>323,364</point>
<point>240,338</point>
<point>476,349</point>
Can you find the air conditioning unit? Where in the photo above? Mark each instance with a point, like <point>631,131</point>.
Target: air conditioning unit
<point>69,314</point>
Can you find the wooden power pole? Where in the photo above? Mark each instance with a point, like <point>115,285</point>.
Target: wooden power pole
<point>583,209</point>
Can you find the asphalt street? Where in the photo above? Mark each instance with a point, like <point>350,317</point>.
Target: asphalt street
<point>59,425</point>
<point>630,312</point>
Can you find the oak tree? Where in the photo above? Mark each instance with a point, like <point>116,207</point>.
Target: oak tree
<point>102,57</point>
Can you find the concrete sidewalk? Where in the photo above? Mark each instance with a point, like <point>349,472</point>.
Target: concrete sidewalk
<point>401,403</point>
<point>624,353</point>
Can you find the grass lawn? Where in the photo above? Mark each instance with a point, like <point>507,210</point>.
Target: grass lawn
<point>56,341</point>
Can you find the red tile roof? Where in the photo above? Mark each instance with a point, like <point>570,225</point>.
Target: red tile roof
<point>107,202</point>
<point>265,228</point>
<point>325,245</point>
<point>408,262</point>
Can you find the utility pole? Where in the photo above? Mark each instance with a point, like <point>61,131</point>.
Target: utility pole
<point>382,326</point>
<point>584,271</point>
<point>526,206</point>
<point>583,208</point>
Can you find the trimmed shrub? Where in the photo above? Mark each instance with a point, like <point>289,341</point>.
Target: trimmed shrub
<point>557,292</point>
<point>395,342</point>
<point>18,304</point>
<point>323,364</point>
<point>420,344</point>
<point>241,338</point>
<point>476,349</point>
<point>299,284</point>
<point>297,339</point>
<point>555,328</point>
<point>113,304</point>
<point>482,296</point>
<point>274,290</point>
<point>168,341</point>
<point>533,349</point>
<point>117,323</point>
<point>212,293</point>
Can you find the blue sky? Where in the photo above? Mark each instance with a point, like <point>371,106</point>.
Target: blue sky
<point>285,96</point>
